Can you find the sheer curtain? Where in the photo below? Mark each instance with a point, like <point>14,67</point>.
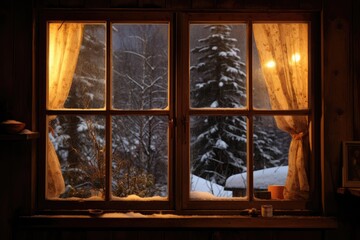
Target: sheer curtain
<point>64,47</point>
<point>283,52</point>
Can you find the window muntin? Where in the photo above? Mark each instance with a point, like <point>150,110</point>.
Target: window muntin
<point>112,112</point>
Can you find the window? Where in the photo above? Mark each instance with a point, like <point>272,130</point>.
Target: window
<point>210,113</point>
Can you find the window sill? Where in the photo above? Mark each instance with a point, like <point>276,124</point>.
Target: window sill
<point>108,221</point>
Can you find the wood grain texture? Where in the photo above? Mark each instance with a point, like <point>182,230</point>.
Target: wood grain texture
<point>355,67</point>
<point>186,4</point>
<point>179,222</point>
<point>338,96</point>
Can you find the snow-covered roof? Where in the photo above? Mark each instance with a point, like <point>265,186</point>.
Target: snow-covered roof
<point>262,178</point>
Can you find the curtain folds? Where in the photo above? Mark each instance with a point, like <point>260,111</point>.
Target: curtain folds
<point>283,52</point>
<point>63,50</point>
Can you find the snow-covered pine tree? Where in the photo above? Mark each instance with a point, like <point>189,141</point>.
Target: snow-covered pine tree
<point>218,80</point>
<point>271,145</point>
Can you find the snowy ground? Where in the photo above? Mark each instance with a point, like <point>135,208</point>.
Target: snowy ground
<point>203,189</point>
<point>200,186</point>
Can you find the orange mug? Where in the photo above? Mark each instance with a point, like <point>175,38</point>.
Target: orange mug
<point>276,191</point>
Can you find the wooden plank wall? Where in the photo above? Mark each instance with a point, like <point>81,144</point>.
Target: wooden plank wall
<point>355,60</point>
<point>199,234</point>
<point>185,4</point>
<point>16,102</point>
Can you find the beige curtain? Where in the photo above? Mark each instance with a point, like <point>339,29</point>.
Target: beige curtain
<point>63,47</point>
<point>283,52</point>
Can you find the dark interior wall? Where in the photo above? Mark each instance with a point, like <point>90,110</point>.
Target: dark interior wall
<point>16,102</point>
<point>355,59</point>
<point>16,54</point>
<point>338,91</point>
<point>340,111</point>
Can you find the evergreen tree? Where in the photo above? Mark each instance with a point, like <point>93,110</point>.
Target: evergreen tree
<point>271,145</point>
<point>217,81</point>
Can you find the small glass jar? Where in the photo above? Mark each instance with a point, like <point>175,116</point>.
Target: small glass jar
<point>266,210</point>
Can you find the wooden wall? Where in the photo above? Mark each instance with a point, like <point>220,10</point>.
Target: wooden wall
<point>340,111</point>
<point>185,4</point>
<point>200,234</point>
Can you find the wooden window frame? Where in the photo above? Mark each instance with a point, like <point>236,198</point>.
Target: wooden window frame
<point>178,179</point>
<point>249,19</point>
<point>108,112</point>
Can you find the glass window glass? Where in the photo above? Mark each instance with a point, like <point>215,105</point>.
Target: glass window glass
<point>217,65</point>
<point>217,151</point>
<point>140,156</point>
<point>280,66</point>
<point>76,65</point>
<point>140,66</point>
<point>78,143</point>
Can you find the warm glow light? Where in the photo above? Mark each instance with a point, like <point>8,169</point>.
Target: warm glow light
<point>270,64</point>
<point>295,57</point>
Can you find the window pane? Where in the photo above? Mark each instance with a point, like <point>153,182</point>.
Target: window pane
<point>140,66</point>
<point>79,142</point>
<point>76,72</point>
<point>140,156</point>
<point>271,148</point>
<point>217,65</point>
<point>217,151</point>
<point>280,66</point>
